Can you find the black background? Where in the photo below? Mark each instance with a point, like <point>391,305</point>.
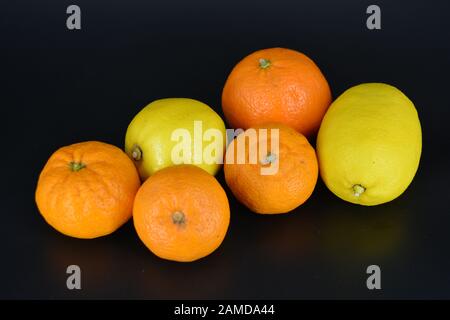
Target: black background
<point>60,87</point>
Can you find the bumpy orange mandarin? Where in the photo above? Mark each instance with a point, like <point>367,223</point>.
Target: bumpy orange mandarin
<point>280,180</point>
<point>181,213</point>
<point>276,85</point>
<point>87,189</point>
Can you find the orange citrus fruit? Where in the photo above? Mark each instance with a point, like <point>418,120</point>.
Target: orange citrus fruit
<point>281,179</point>
<point>86,190</point>
<point>181,213</point>
<point>276,85</point>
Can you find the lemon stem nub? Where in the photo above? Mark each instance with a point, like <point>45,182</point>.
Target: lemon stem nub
<point>178,218</point>
<point>76,166</point>
<point>264,63</point>
<point>358,190</point>
<point>136,153</point>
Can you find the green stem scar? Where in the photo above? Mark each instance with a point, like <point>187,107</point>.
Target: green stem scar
<point>178,218</point>
<point>358,190</point>
<point>264,63</point>
<point>270,158</point>
<point>136,152</point>
<point>76,166</point>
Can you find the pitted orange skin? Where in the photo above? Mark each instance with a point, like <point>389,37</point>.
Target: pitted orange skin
<point>283,191</point>
<point>86,190</point>
<point>181,213</point>
<point>276,85</point>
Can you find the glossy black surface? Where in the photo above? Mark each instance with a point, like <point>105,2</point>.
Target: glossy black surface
<point>61,87</point>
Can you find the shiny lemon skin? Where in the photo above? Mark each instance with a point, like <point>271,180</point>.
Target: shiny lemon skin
<point>150,134</point>
<point>369,144</point>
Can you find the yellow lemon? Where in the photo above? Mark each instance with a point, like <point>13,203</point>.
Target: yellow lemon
<point>176,131</point>
<point>369,144</point>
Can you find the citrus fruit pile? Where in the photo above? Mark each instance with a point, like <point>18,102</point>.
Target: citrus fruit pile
<point>277,101</point>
